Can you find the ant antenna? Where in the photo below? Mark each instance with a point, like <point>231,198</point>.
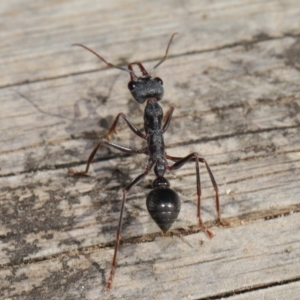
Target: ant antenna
<point>129,70</point>
<point>164,58</point>
<point>106,62</point>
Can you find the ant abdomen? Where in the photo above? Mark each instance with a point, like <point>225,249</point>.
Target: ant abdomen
<point>163,204</point>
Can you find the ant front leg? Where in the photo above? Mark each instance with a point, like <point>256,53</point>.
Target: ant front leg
<point>179,162</point>
<point>113,130</point>
<point>107,143</point>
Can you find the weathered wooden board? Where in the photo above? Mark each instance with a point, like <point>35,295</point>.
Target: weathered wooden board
<point>223,106</point>
<point>46,213</point>
<point>36,37</point>
<point>194,267</point>
<point>233,78</point>
<point>282,291</point>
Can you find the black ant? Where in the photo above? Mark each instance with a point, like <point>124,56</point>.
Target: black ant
<point>163,203</point>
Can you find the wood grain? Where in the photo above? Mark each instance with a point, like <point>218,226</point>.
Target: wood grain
<point>192,267</point>
<point>233,78</point>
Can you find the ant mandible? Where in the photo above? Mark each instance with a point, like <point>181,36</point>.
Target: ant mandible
<point>163,203</point>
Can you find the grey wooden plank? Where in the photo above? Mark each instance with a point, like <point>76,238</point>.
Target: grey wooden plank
<point>48,213</point>
<point>283,291</point>
<point>234,83</point>
<point>194,267</point>
<point>36,37</point>
<point>240,94</point>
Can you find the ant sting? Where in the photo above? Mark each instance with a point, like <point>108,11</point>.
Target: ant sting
<point>162,202</point>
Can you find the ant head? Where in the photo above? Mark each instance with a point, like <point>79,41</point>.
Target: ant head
<point>143,88</point>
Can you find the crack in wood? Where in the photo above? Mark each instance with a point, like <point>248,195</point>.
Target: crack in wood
<point>250,289</point>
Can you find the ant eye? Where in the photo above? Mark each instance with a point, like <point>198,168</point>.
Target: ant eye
<point>131,85</point>
<point>158,80</point>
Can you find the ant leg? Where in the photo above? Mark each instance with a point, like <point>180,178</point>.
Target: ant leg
<point>168,118</point>
<point>213,181</point>
<point>113,130</point>
<point>118,235</point>
<point>107,143</point>
<point>180,163</point>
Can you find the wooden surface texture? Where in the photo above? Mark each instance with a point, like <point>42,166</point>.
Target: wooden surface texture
<point>233,76</point>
